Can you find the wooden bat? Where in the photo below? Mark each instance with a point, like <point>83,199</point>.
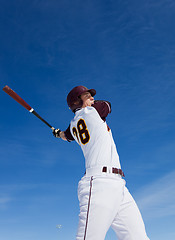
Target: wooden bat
<point>16,97</point>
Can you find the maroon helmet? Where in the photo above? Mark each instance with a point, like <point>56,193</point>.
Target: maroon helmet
<point>73,98</point>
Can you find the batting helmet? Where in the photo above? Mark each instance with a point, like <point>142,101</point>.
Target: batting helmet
<point>73,98</point>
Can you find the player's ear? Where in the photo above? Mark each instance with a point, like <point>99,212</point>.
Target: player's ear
<point>76,103</point>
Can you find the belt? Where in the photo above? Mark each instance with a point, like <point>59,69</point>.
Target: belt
<point>99,170</point>
<point>114,170</point>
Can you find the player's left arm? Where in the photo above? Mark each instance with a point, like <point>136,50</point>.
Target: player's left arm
<point>64,135</point>
<point>59,134</point>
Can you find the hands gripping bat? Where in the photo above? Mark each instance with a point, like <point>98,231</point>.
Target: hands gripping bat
<point>15,96</point>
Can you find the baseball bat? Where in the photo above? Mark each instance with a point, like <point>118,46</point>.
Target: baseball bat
<point>17,98</point>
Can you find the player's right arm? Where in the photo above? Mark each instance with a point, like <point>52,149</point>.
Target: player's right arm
<point>103,108</point>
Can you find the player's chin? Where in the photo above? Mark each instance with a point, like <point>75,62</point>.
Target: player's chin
<point>89,104</point>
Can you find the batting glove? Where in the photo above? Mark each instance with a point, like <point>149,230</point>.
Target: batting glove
<point>56,133</point>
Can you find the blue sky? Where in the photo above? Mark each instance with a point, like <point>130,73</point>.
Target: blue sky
<point>123,49</point>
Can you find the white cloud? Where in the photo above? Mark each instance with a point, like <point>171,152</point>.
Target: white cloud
<point>158,199</point>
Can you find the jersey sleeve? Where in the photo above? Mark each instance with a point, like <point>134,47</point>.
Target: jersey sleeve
<point>68,135</point>
<point>103,108</point>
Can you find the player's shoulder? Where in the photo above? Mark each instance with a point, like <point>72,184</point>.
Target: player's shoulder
<point>90,111</point>
<point>86,110</point>
<point>101,105</point>
<point>103,108</point>
<point>85,113</point>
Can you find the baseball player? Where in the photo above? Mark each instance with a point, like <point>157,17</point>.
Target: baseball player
<point>103,197</point>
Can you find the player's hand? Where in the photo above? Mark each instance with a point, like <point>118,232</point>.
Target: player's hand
<point>56,133</point>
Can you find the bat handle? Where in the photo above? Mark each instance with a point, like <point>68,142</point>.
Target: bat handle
<point>38,116</point>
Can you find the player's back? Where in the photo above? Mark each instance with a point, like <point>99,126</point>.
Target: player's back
<point>96,141</point>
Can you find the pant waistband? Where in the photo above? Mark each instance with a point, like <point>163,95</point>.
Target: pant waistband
<point>98,170</point>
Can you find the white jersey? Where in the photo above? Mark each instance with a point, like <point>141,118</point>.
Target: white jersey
<point>95,139</point>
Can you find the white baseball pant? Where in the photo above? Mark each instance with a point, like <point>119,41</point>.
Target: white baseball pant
<point>105,202</point>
